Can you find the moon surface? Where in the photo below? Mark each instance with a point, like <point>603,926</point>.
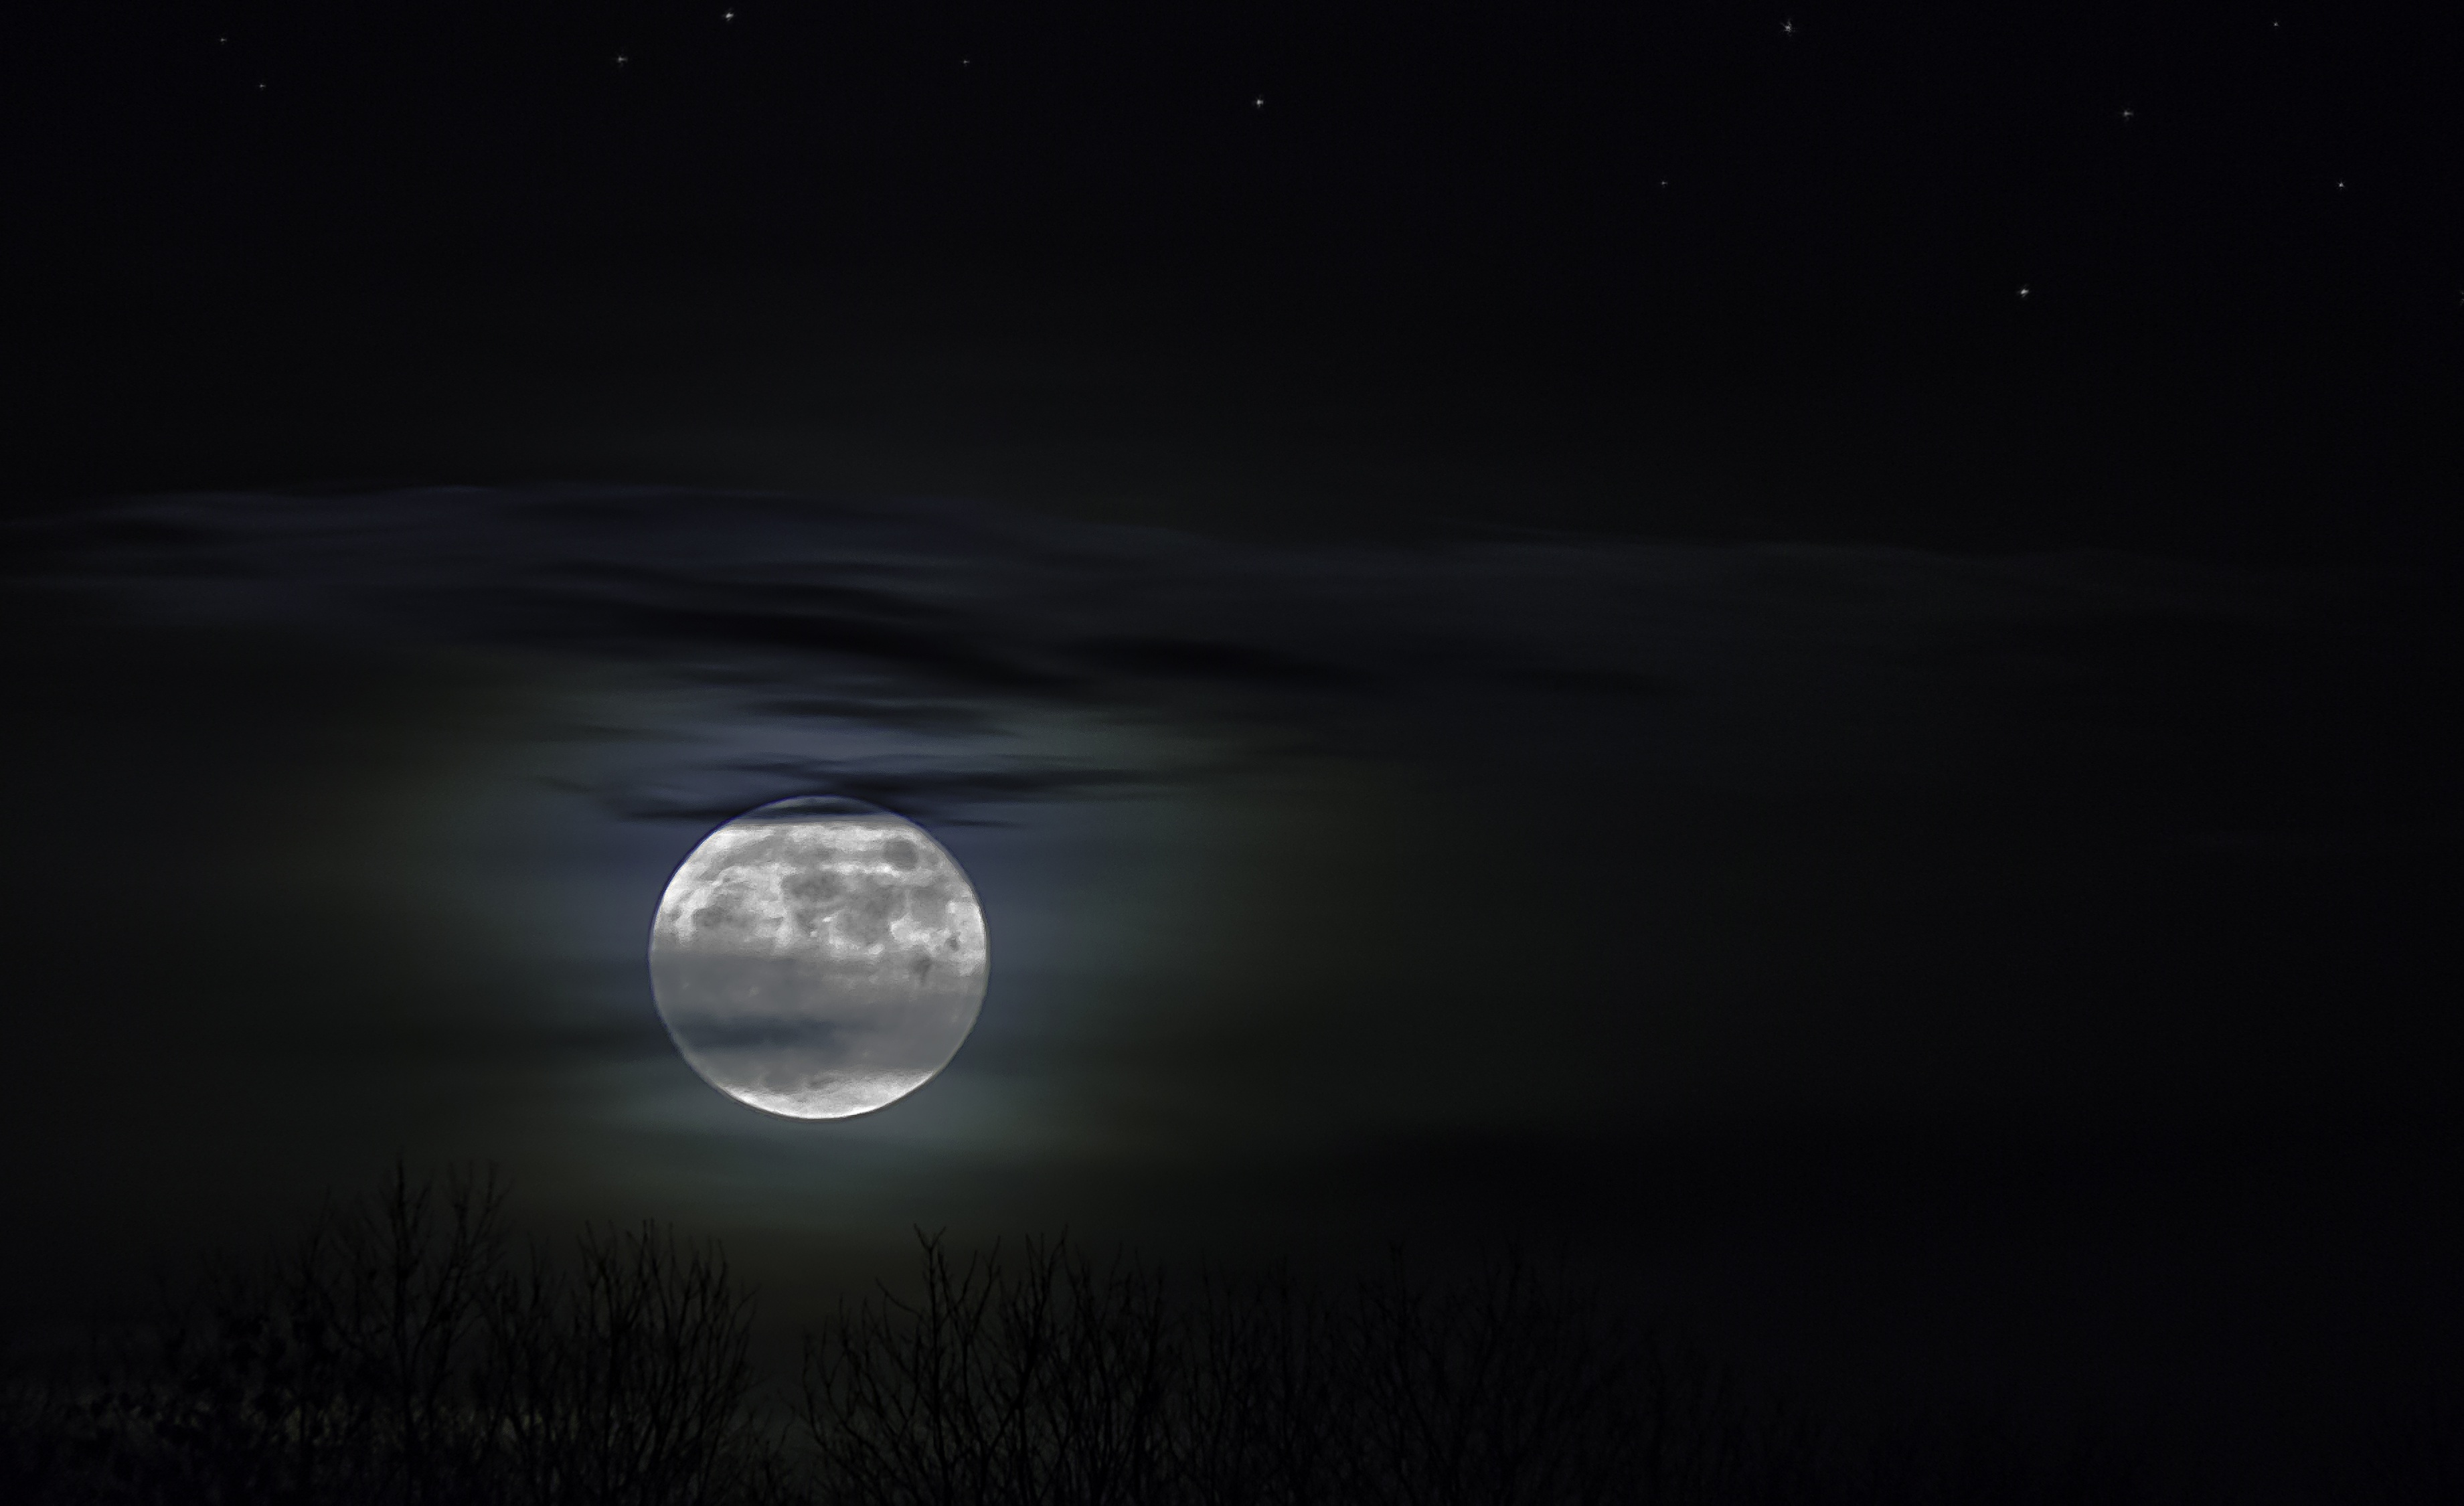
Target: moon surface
<point>819,957</point>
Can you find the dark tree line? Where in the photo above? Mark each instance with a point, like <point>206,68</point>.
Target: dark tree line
<point>411,1350</point>
<point>1046,1377</point>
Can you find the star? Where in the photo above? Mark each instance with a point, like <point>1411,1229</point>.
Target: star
<point>1258,104</point>
<point>1788,29</point>
<point>2023,292</point>
<point>2127,114</point>
<point>620,59</point>
<point>728,17</point>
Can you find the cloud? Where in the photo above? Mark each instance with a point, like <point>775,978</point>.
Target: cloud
<point>966,664</point>
<point>1209,663</point>
<point>920,793</point>
<point>961,632</point>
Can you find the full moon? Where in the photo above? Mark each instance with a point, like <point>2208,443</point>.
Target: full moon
<point>819,957</point>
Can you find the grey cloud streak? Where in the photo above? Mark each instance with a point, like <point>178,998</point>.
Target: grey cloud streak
<point>942,618</point>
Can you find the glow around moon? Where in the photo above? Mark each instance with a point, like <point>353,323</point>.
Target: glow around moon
<point>819,957</point>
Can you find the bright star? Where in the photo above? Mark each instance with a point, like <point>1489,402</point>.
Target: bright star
<point>1260,104</point>
<point>2023,292</point>
<point>1788,28</point>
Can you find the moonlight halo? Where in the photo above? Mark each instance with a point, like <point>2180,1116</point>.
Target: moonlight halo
<point>819,957</point>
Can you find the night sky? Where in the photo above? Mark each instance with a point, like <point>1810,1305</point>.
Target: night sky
<point>1806,652</point>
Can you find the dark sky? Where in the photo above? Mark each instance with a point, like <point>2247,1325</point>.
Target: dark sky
<point>1805,649</point>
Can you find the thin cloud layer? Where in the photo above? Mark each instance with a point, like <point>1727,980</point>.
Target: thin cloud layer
<point>946,624</point>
